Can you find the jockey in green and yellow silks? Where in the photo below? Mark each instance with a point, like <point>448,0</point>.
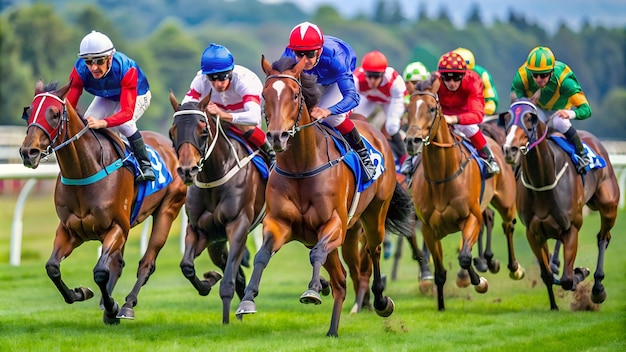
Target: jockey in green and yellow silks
<point>561,94</point>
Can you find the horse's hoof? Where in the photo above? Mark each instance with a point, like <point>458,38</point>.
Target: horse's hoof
<point>517,274</point>
<point>462,278</point>
<point>212,277</point>
<point>83,293</point>
<point>494,266</point>
<point>388,309</point>
<point>598,297</point>
<point>110,318</point>
<point>355,309</point>
<point>482,286</point>
<point>325,287</point>
<point>245,307</point>
<point>310,296</point>
<point>581,273</point>
<point>481,264</point>
<point>126,313</point>
<point>426,287</point>
<point>426,275</point>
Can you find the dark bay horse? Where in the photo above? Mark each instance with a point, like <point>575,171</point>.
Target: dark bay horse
<point>94,195</point>
<point>448,191</point>
<point>313,197</point>
<point>225,199</point>
<point>551,195</point>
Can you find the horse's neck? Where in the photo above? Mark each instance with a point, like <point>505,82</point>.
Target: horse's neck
<point>83,156</point>
<point>302,153</point>
<point>539,165</point>
<point>220,149</point>
<point>440,157</point>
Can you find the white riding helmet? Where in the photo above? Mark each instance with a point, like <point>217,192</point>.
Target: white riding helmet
<point>415,71</point>
<point>96,44</point>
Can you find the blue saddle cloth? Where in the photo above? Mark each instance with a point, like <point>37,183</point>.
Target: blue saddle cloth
<point>144,189</point>
<point>352,160</point>
<point>258,160</point>
<point>474,155</point>
<point>597,162</point>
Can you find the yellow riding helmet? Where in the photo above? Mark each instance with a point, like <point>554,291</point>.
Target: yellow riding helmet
<point>467,56</point>
<point>540,60</point>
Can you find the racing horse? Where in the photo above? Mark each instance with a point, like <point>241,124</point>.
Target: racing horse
<point>225,199</point>
<point>449,192</point>
<point>95,195</point>
<point>313,196</point>
<point>551,194</point>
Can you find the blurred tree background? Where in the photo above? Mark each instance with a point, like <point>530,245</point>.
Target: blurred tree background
<point>41,40</point>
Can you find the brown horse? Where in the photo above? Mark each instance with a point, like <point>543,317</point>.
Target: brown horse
<point>448,191</point>
<point>94,195</point>
<point>225,200</point>
<point>551,195</point>
<point>313,197</point>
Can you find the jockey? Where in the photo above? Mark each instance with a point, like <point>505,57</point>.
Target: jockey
<point>121,90</point>
<point>235,96</point>
<point>381,85</point>
<point>332,60</point>
<point>489,89</point>
<point>560,92</point>
<point>463,105</point>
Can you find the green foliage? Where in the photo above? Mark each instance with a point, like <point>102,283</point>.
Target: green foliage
<point>167,39</point>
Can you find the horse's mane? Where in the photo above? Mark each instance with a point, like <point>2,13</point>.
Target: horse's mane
<point>423,85</point>
<point>310,90</point>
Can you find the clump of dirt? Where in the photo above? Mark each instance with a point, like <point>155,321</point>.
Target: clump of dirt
<point>582,299</point>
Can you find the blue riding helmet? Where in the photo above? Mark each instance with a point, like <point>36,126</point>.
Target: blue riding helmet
<point>216,58</point>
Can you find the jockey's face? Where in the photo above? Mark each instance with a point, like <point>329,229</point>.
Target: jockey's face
<point>374,79</point>
<point>311,57</point>
<point>542,79</point>
<point>99,66</point>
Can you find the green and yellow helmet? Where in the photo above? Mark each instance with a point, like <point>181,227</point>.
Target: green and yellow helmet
<point>540,60</point>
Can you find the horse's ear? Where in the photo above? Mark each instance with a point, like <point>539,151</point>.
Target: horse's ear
<point>435,82</point>
<point>410,87</point>
<point>513,97</point>
<point>174,102</point>
<point>535,98</point>
<point>299,67</point>
<point>62,92</point>
<point>39,86</point>
<point>265,65</point>
<point>205,101</point>
<point>502,117</point>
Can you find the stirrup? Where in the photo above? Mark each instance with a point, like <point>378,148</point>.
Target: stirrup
<point>147,175</point>
<point>581,163</point>
<point>492,166</point>
<point>408,167</point>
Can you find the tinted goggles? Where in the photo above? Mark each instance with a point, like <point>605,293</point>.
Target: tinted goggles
<point>98,61</point>
<point>451,76</point>
<point>542,75</point>
<point>220,76</point>
<point>309,54</point>
<point>373,74</point>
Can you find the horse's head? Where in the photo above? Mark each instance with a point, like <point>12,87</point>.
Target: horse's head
<point>524,128</point>
<point>45,114</point>
<point>287,92</point>
<point>189,134</point>
<point>424,113</point>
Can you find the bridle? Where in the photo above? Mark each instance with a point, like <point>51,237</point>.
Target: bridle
<point>295,128</point>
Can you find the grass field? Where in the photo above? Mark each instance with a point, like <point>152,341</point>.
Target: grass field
<point>171,316</point>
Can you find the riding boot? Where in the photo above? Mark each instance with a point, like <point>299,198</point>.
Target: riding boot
<point>268,154</point>
<point>583,159</point>
<point>354,139</point>
<point>490,161</point>
<point>139,149</point>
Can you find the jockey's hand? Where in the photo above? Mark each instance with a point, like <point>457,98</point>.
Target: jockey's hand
<point>213,109</point>
<point>319,113</point>
<point>95,124</point>
<point>451,119</point>
<point>565,114</point>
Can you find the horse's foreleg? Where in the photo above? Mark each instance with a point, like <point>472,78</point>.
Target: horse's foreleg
<point>570,247</point>
<point>469,231</point>
<point>112,248</point>
<point>434,246</point>
<point>488,222</point>
<point>516,271</point>
<point>352,257</point>
<point>337,276</point>
<point>274,237</point>
<point>542,253</point>
<point>234,278</point>
<point>598,293</point>
<point>554,259</point>
<point>194,245</point>
<point>162,223</point>
<point>64,244</point>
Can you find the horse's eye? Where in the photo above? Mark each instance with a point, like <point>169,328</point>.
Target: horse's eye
<point>296,95</point>
<point>433,110</point>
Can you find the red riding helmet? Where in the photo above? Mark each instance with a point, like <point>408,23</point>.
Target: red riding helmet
<point>374,61</point>
<point>452,62</point>
<point>306,36</point>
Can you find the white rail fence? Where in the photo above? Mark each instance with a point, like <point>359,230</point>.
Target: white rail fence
<point>50,171</point>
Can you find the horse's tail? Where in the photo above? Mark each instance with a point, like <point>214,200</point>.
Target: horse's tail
<point>401,213</point>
